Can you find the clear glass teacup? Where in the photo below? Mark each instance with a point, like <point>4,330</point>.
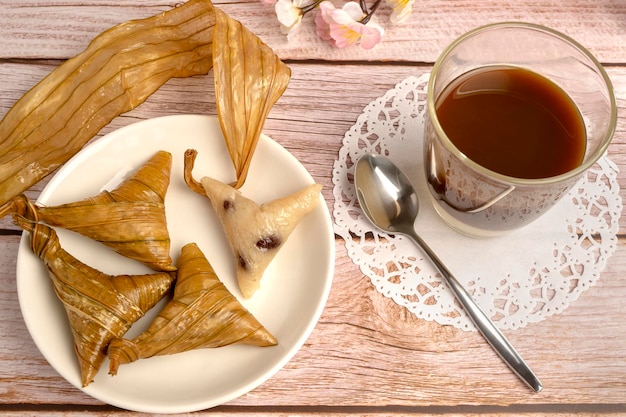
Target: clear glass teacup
<point>480,201</point>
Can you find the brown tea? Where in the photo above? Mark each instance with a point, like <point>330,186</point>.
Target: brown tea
<point>513,121</point>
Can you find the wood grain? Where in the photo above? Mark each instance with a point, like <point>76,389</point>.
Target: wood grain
<point>60,29</point>
<point>367,355</point>
<point>309,119</point>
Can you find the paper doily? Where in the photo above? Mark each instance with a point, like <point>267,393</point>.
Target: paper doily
<point>519,278</point>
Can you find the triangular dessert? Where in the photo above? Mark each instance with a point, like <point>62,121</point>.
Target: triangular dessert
<point>130,219</point>
<point>99,307</point>
<point>202,314</point>
<point>255,232</point>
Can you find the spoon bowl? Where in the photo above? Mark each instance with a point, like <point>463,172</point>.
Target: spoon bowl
<point>390,202</point>
<point>385,194</point>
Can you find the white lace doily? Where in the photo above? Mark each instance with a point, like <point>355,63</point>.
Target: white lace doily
<point>519,278</point>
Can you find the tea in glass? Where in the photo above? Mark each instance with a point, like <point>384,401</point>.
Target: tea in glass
<point>513,121</point>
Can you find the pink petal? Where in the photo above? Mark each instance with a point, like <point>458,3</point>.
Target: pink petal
<point>370,37</point>
<point>322,20</point>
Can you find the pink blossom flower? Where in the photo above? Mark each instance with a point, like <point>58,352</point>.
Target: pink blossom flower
<point>401,10</point>
<point>343,27</point>
<point>268,2</point>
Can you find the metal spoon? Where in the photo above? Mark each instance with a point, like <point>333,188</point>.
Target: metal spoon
<point>388,199</point>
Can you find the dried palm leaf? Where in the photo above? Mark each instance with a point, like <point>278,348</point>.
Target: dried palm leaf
<point>148,183</point>
<point>119,69</point>
<point>99,307</point>
<point>202,314</point>
<point>255,232</point>
<point>249,78</point>
<point>130,219</point>
<point>123,66</point>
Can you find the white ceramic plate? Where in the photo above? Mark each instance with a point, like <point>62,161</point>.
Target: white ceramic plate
<point>294,288</point>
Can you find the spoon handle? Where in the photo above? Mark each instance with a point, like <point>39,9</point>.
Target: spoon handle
<point>486,327</point>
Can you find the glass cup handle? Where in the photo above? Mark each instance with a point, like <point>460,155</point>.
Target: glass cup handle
<point>485,205</point>
<point>440,183</point>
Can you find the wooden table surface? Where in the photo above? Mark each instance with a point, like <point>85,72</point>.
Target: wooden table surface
<point>367,355</point>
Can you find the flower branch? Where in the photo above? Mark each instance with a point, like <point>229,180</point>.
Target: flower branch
<point>354,23</point>
<point>369,15</point>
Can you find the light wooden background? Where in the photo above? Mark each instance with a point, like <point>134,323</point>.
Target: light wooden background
<point>367,356</point>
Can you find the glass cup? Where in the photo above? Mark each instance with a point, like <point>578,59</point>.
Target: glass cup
<point>480,202</point>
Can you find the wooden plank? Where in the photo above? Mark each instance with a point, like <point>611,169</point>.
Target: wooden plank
<point>330,411</point>
<point>321,103</point>
<point>368,351</point>
<point>26,27</point>
<point>367,356</point>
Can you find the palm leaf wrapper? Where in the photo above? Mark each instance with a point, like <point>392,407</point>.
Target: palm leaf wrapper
<point>130,219</point>
<point>202,305</point>
<point>99,307</point>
